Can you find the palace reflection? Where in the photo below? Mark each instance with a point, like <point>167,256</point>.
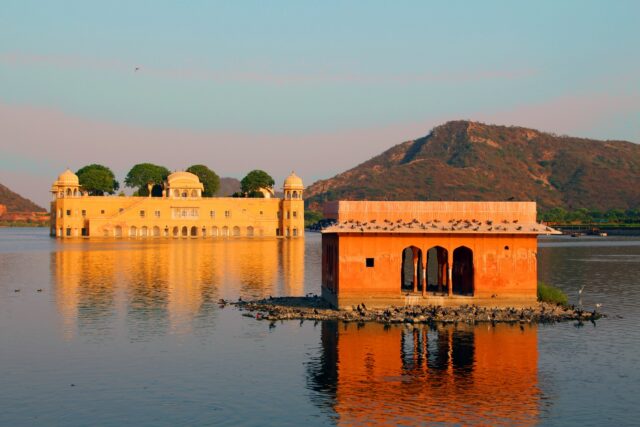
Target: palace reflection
<point>161,287</point>
<point>376,375</point>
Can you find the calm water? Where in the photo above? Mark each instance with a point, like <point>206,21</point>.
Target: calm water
<point>130,333</point>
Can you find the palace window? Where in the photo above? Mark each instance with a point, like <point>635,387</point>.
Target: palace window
<point>101,211</point>
<point>185,213</point>
<point>295,214</point>
<point>212,214</point>
<point>142,213</point>
<point>68,212</point>
<point>288,214</point>
<point>157,214</point>
<point>369,262</point>
<point>227,214</point>
<point>261,212</point>
<point>84,212</point>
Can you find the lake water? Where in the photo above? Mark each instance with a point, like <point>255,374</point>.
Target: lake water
<point>130,333</point>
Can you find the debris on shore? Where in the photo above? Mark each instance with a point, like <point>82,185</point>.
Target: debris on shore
<point>315,308</point>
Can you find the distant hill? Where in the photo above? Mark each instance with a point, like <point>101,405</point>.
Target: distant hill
<point>228,186</point>
<point>462,160</point>
<point>16,203</point>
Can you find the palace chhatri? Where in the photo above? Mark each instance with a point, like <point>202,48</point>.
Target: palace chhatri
<point>179,212</point>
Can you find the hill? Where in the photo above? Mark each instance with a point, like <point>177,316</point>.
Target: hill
<point>462,160</point>
<point>228,186</point>
<point>16,203</point>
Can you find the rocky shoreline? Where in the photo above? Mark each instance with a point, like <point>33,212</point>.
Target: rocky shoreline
<point>315,308</point>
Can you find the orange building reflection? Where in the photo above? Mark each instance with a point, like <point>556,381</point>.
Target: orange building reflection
<point>461,375</point>
<point>162,286</point>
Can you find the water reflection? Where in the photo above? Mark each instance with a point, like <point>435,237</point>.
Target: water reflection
<point>163,287</point>
<point>381,375</point>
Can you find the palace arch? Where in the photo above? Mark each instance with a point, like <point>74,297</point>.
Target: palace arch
<point>412,270</point>
<point>462,272</point>
<point>437,268</point>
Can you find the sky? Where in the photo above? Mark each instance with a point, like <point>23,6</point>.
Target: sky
<point>315,87</point>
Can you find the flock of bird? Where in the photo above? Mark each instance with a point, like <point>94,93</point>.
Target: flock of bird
<point>436,225</point>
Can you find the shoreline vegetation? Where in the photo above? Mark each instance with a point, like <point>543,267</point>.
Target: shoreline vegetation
<point>8,224</point>
<point>552,295</point>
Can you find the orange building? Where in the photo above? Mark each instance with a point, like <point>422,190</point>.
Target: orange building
<point>440,253</point>
<point>451,375</point>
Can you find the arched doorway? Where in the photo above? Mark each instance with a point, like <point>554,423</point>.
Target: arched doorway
<point>156,190</point>
<point>194,231</point>
<point>236,231</point>
<point>249,231</point>
<point>175,231</point>
<point>133,231</point>
<point>185,231</point>
<point>214,231</point>
<point>462,273</point>
<point>411,273</point>
<point>156,231</point>
<point>225,231</point>
<point>117,231</point>
<point>437,267</point>
<point>144,231</point>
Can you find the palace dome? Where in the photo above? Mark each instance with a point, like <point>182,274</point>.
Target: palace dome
<point>68,178</point>
<point>293,182</point>
<point>183,179</point>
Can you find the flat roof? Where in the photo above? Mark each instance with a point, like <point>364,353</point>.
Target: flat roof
<point>439,227</point>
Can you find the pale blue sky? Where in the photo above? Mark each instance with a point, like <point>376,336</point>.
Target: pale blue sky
<point>312,86</point>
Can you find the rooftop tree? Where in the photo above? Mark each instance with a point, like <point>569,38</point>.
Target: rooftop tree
<point>97,180</point>
<point>208,178</point>
<point>254,181</point>
<point>143,174</point>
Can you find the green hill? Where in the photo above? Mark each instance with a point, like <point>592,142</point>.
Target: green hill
<point>17,203</point>
<point>462,160</point>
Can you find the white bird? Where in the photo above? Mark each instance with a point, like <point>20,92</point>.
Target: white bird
<point>136,69</point>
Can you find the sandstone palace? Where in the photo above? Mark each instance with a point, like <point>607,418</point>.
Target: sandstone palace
<point>180,212</point>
